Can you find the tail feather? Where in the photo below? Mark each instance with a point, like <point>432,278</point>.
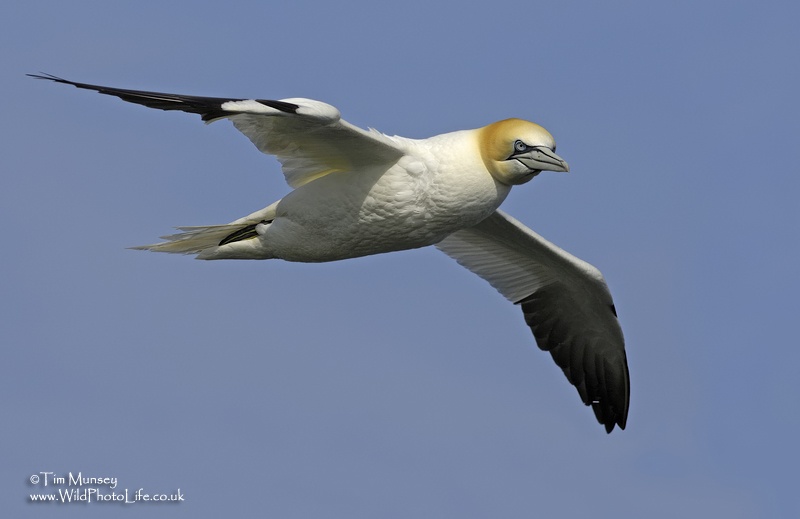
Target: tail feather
<point>194,240</point>
<point>227,241</point>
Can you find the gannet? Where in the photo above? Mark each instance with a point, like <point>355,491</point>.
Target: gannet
<point>360,192</point>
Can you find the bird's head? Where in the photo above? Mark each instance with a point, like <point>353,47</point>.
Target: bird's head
<point>514,151</point>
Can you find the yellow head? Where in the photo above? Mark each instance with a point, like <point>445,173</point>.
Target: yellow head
<point>514,151</point>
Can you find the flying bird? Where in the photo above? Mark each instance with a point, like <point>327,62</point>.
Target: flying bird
<point>360,192</point>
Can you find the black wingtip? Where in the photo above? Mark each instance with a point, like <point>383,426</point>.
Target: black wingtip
<point>598,368</point>
<point>209,108</point>
<point>610,426</point>
<point>57,79</point>
<point>609,416</point>
<point>49,77</point>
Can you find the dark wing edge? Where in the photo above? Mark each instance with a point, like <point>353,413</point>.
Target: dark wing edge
<point>209,108</point>
<point>565,301</point>
<point>592,359</point>
<point>313,132</point>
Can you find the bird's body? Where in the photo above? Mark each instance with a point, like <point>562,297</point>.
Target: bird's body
<point>358,193</point>
<point>435,188</point>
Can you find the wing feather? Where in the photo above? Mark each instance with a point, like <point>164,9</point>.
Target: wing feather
<point>309,137</point>
<point>565,302</point>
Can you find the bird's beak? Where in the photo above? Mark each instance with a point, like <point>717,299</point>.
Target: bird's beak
<point>541,158</point>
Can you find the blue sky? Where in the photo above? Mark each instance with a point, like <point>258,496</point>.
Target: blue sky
<point>401,385</point>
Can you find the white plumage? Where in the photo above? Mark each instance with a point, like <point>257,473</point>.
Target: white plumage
<point>360,192</point>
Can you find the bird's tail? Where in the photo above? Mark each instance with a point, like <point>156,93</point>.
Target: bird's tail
<point>216,241</point>
<point>196,239</point>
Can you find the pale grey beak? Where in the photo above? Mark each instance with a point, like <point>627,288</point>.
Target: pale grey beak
<point>541,158</point>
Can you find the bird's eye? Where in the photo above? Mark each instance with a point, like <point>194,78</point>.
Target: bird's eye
<point>520,146</point>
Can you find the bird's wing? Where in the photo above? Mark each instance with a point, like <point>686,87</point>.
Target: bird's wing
<point>565,302</point>
<point>309,137</point>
